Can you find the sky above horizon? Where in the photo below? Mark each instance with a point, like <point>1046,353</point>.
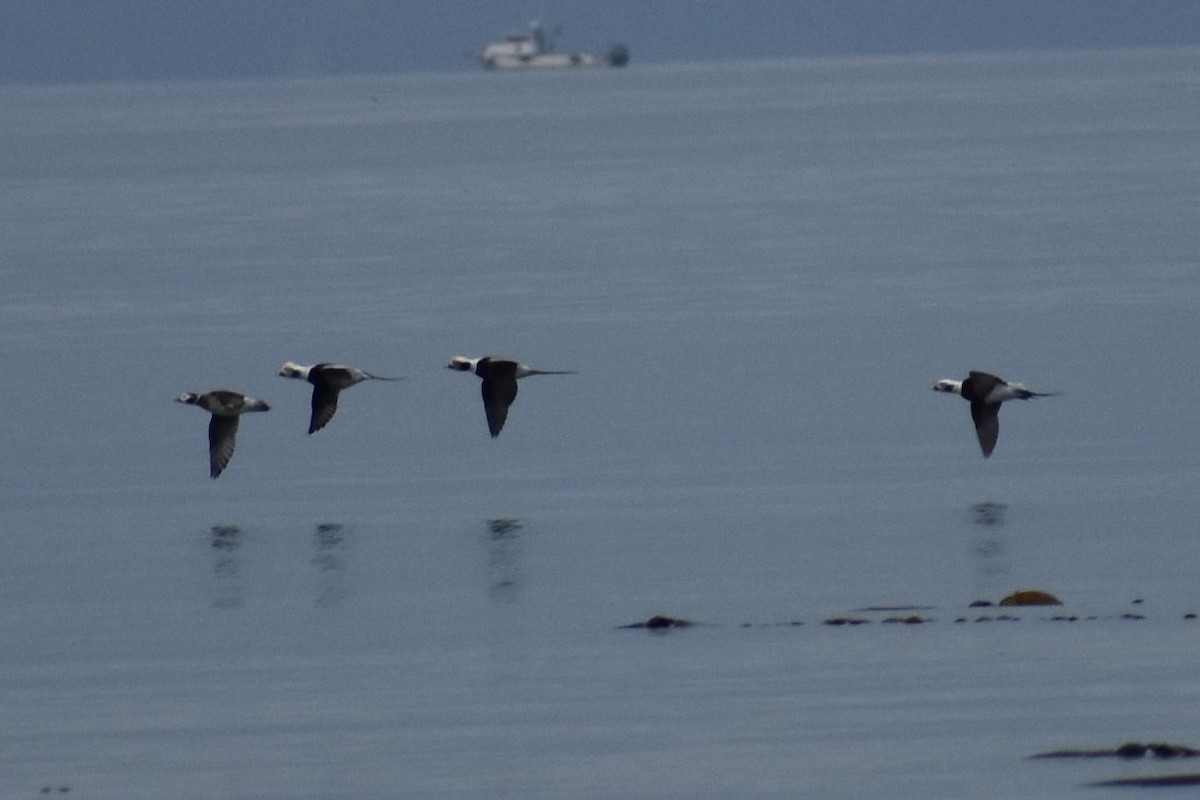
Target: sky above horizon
<point>69,41</point>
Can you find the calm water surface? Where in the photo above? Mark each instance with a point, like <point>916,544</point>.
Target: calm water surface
<point>757,271</point>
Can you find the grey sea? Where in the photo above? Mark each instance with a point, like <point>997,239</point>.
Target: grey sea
<point>757,271</point>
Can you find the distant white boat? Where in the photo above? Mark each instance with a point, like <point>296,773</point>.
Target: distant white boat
<point>535,50</point>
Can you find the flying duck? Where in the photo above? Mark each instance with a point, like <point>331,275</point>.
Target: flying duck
<point>986,392</point>
<point>328,380</point>
<point>499,386</point>
<point>225,407</point>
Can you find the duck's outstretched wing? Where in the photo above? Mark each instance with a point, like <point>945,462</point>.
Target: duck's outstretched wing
<point>987,425</point>
<point>499,392</point>
<point>222,438</point>
<point>324,405</point>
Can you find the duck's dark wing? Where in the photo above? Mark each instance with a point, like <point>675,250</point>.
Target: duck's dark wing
<point>225,400</point>
<point>324,404</point>
<point>979,385</point>
<point>334,376</point>
<point>499,392</point>
<point>222,437</point>
<point>987,425</point>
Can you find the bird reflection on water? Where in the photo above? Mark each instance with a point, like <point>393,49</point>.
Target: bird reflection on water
<point>330,542</point>
<point>990,547</point>
<point>330,546</point>
<point>227,567</point>
<point>504,559</point>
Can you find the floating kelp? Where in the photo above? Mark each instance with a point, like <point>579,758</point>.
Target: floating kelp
<point>895,608</point>
<point>1030,597</point>
<point>1190,779</point>
<point>982,612</point>
<point>1129,750</point>
<point>660,622</point>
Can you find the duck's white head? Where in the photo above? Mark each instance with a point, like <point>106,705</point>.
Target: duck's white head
<point>293,370</point>
<point>462,364</point>
<point>948,385</point>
